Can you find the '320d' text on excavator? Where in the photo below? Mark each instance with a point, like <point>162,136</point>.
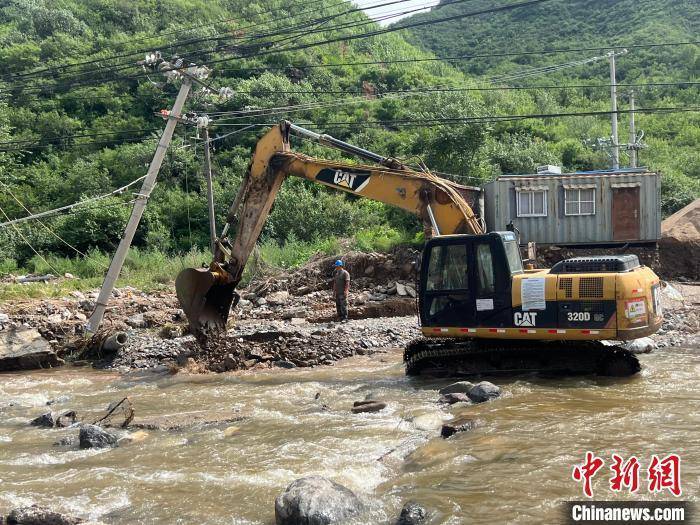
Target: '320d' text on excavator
<point>480,310</point>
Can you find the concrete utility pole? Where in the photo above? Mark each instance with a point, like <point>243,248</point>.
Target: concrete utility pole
<point>613,97</point>
<point>210,188</point>
<point>633,134</point>
<point>149,183</point>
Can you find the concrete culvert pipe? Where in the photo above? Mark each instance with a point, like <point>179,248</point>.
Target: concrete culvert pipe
<point>115,341</point>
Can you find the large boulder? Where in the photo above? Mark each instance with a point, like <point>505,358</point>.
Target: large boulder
<point>315,500</point>
<point>25,349</point>
<point>92,436</point>
<point>278,298</point>
<point>484,391</point>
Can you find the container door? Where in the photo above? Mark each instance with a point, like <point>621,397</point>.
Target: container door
<point>626,215</point>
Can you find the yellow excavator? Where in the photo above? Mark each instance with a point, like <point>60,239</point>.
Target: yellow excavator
<point>480,310</point>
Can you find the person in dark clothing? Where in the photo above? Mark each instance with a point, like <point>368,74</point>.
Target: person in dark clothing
<point>341,285</point>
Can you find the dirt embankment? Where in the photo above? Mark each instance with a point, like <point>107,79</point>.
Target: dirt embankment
<point>548,256</point>
<point>680,243</point>
<point>285,321</point>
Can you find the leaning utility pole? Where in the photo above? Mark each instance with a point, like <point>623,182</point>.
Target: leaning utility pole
<point>115,267</point>
<point>210,187</point>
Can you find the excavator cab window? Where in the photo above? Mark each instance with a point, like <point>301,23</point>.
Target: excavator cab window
<point>448,269</point>
<point>486,280</point>
<point>447,283</point>
<point>510,244</point>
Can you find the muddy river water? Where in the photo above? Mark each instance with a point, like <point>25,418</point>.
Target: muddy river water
<point>515,467</point>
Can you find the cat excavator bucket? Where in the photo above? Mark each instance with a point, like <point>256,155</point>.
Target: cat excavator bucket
<point>205,297</point>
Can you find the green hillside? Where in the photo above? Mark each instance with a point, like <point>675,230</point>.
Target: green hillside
<point>78,116</point>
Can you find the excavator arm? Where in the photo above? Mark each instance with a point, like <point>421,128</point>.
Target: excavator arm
<point>207,294</point>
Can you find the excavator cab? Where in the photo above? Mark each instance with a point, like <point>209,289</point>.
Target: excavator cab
<point>466,280</point>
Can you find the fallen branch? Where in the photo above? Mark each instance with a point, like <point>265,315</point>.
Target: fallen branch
<point>127,409</point>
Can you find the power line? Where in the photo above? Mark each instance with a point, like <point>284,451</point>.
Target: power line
<point>383,31</point>
<point>26,241</point>
<point>457,89</point>
<point>69,207</point>
<point>23,148</point>
<point>161,35</point>
<point>377,32</point>
<point>43,225</point>
<point>79,135</point>
<point>484,119</point>
<point>456,58</point>
<point>303,28</point>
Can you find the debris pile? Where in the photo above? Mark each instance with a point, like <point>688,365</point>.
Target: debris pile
<point>60,319</point>
<point>291,346</point>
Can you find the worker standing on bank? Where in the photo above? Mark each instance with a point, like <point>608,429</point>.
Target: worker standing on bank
<point>341,286</point>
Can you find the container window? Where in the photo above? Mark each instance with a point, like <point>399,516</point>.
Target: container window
<point>532,203</point>
<point>579,201</point>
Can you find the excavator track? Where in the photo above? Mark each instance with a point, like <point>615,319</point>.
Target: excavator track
<point>459,358</point>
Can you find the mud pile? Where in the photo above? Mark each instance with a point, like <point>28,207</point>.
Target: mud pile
<point>548,256</point>
<point>680,243</point>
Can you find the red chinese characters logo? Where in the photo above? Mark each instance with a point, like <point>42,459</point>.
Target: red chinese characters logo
<point>662,474</point>
<point>625,474</point>
<point>665,474</point>
<point>586,471</point>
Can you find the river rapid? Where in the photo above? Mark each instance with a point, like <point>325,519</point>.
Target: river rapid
<point>515,467</point>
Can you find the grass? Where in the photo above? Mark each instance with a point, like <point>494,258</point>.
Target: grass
<point>145,270</point>
<point>153,270</point>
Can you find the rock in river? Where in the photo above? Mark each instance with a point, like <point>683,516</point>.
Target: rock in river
<point>44,420</point>
<point>460,424</point>
<point>460,387</point>
<point>92,436</point>
<point>643,345</point>
<point>315,501</point>
<point>368,406</point>
<point>25,349</point>
<point>484,391</point>
<point>451,399</point>
<point>412,514</point>
<point>50,420</point>
<point>35,515</point>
